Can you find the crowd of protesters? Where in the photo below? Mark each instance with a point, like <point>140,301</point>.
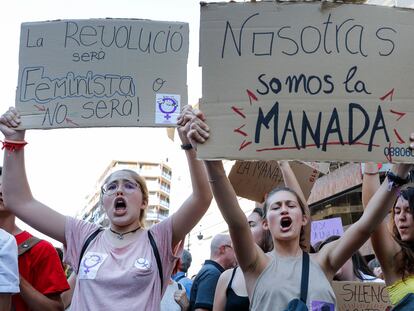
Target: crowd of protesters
<point>263,263</point>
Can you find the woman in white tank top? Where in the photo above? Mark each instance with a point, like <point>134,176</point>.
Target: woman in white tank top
<point>272,281</point>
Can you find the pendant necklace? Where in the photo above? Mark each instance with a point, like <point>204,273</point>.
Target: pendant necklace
<point>120,236</point>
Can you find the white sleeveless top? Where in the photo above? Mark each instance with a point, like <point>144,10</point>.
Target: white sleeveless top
<point>279,283</point>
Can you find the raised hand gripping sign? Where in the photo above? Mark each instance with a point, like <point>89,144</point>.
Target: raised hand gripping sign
<point>102,72</point>
<point>307,81</point>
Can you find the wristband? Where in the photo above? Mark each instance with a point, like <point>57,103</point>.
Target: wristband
<point>371,173</point>
<point>395,181</point>
<point>13,145</point>
<point>186,146</point>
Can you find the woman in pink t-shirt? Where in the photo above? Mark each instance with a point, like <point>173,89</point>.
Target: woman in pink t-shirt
<point>118,270</point>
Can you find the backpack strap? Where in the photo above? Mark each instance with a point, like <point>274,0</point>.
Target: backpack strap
<point>179,278</point>
<point>27,245</point>
<point>87,242</point>
<point>305,277</point>
<point>157,257</point>
<point>180,287</point>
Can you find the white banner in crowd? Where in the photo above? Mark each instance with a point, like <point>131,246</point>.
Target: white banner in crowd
<point>102,72</point>
<point>323,229</point>
<point>307,81</point>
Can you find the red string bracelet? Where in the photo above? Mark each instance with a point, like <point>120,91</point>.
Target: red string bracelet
<point>13,145</point>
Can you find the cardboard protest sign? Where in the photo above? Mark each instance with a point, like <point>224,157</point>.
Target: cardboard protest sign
<point>254,179</point>
<point>339,180</point>
<point>323,229</point>
<point>102,72</point>
<point>358,296</point>
<point>322,167</point>
<point>313,81</point>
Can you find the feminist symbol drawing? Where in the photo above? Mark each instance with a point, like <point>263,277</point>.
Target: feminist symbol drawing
<point>91,261</point>
<point>167,105</point>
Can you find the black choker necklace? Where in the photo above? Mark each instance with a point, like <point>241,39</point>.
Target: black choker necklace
<point>120,236</point>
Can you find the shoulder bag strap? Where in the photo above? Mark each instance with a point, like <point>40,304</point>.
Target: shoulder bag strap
<point>232,277</point>
<point>87,242</point>
<point>305,277</point>
<point>27,245</point>
<point>157,257</point>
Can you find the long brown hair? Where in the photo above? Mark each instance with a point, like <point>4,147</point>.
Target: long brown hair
<point>405,257</point>
<point>302,239</point>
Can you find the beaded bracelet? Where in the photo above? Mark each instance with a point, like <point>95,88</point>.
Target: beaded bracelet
<point>13,145</point>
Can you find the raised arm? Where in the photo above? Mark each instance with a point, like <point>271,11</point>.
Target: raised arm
<point>250,257</point>
<point>16,190</point>
<point>371,182</point>
<point>196,205</point>
<point>382,242</point>
<point>291,182</point>
<point>290,179</point>
<point>378,207</point>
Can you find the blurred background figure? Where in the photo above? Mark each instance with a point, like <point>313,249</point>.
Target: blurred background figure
<point>181,277</point>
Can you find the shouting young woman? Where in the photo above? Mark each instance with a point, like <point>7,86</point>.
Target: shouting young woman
<point>273,280</point>
<point>119,269</point>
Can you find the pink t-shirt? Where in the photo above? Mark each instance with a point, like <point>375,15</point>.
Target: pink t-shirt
<point>124,278</point>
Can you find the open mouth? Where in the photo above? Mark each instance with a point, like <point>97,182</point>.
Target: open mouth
<point>120,205</point>
<point>286,223</point>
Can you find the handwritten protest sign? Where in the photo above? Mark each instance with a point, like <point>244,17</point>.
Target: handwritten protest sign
<point>341,179</point>
<point>307,81</point>
<point>322,229</point>
<point>322,167</point>
<point>361,296</point>
<point>254,179</point>
<point>102,72</point>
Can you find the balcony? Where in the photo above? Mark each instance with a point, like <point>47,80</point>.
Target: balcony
<point>165,204</point>
<point>151,216</point>
<point>167,176</point>
<point>165,189</point>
